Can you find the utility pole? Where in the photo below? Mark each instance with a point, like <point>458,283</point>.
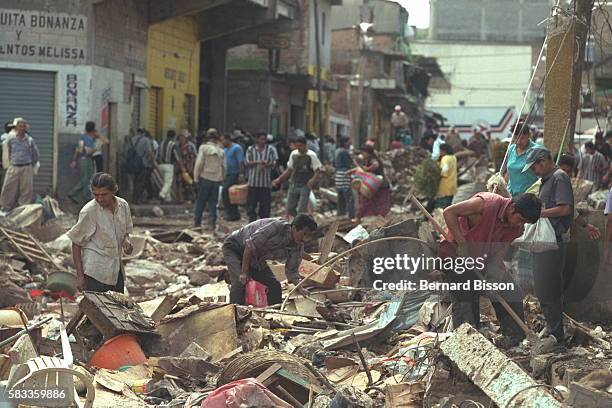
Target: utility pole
<point>567,36</point>
<point>319,92</point>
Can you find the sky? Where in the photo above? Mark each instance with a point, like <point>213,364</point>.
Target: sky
<point>418,11</point>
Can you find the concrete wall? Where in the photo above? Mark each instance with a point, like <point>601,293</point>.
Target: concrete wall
<point>488,20</point>
<point>174,67</point>
<point>479,74</point>
<point>248,99</point>
<point>101,47</point>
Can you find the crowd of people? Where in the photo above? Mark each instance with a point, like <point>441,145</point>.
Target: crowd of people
<point>539,185</point>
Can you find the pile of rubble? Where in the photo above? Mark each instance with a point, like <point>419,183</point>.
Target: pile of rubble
<point>175,341</point>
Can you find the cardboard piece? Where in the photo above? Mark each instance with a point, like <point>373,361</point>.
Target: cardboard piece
<point>405,395</point>
<point>212,329</point>
<point>326,278</point>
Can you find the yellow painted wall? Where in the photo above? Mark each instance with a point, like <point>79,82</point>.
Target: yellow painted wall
<point>312,103</point>
<point>173,70</point>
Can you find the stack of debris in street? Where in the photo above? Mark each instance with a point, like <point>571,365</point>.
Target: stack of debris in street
<point>176,341</point>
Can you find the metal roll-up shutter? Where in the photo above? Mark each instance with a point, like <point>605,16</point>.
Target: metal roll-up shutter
<point>31,95</point>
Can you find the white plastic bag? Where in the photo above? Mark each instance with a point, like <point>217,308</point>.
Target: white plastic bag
<point>538,237</point>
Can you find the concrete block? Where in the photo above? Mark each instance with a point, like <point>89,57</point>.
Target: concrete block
<point>583,396</point>
<point>491,370</point>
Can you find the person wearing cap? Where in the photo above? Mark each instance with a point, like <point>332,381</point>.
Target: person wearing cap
<point>83,157</point>
<point>399,121</point>
<point>208,173</point>
<point>518,181</point>
<point>18,186</point>
<point>558,206</point>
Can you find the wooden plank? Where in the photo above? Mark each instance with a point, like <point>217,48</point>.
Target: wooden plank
<point>74,322</point>
<point>263,377</point>
<point>164,308</point>
<point>328,242</point>
<point>15,245</point>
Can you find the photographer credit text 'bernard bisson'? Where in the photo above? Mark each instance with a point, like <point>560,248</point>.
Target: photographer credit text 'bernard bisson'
<point>411,265</point>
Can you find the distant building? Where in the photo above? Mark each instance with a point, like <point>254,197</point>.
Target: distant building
<point>500,21</point>
<point>272,80</point>
<point>480,74</point>
<point>373,72</point>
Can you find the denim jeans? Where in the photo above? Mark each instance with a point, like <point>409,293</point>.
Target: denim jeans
<point>346,204</point>
<point>261,196</point>
<point>231,210</point>
<point>297,199</point>
<point>208,194</point>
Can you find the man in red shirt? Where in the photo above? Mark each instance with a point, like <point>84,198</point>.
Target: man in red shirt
<point>483,227</point>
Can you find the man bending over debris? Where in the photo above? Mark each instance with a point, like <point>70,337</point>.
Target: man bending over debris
<point>483,227</point>
<point>247,249</point>
<point>98,237</point>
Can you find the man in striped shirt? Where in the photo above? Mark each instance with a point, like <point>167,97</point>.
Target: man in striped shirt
<point>260,159</point>
<point>343,163</point>
<point>593,165</point>
<point>167,157</point>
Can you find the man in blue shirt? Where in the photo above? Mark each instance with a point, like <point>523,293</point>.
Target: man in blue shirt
<point>82,156</point>
<point>234,163</point>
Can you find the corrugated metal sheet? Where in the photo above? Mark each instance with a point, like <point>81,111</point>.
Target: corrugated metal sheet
<point>31,95</point>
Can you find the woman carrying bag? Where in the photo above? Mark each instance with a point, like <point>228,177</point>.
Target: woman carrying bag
<point>378,201</point>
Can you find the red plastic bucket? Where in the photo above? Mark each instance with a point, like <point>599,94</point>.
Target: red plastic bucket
<point>122,350</point>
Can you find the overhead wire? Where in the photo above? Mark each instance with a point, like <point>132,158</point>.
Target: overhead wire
<point>540,89</point>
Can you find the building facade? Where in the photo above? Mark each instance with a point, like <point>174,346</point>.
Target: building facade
<point>63,63</point>
<point>373,68</point>
<point>272,83</point>
<point>173,75</point>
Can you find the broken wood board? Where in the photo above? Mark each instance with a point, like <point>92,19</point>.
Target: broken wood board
<point>404,395</point>
<point>113,315</point>
<point>28,247</point>
<point>213,292</point>
<point>325,278</point>
<point>493,372</point>
<point>328,242</point>
<point>213,329</point>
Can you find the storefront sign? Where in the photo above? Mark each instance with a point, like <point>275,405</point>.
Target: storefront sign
<point>36,36</point>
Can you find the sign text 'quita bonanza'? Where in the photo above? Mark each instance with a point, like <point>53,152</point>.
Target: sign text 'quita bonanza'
<point>47,51</point>
<point>43,20</point>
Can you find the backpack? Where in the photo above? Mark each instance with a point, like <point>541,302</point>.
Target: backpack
<point>133,161</point>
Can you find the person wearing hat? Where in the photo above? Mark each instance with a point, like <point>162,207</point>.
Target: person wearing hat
<point>558,206</point>
<point>83,157</point>
<point>208,173</point>
<point>18,186</point>
<point>399,121</point>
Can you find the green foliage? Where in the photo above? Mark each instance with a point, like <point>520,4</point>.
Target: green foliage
<point>426,178</point>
